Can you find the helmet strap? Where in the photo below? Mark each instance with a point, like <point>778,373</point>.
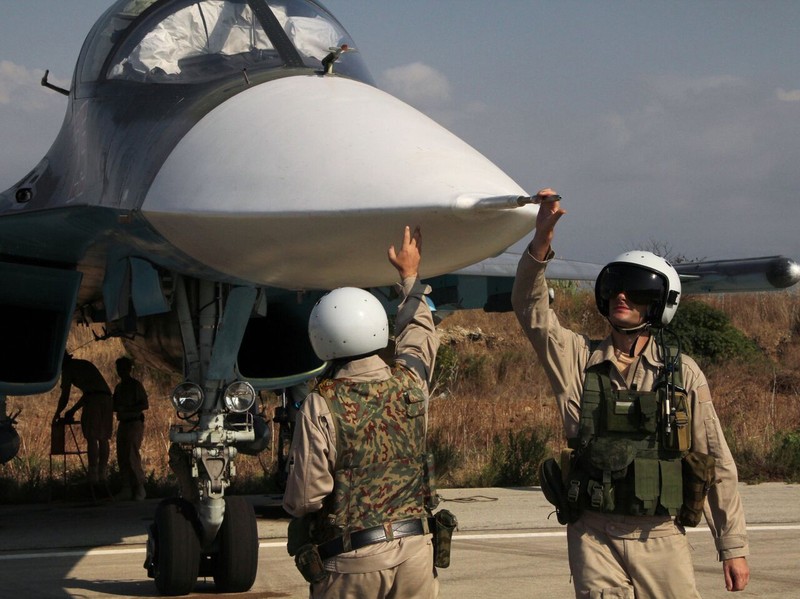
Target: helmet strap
<point>638,330</point>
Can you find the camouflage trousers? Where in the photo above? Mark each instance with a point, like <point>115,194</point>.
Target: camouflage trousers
<point>627,557</point>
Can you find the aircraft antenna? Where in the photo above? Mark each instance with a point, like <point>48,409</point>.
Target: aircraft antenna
<point>46,83</point>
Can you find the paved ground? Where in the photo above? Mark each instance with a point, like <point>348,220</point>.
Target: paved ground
<point>505,547</point>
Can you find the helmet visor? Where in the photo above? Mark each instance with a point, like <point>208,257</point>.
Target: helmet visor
<point>640,286</point>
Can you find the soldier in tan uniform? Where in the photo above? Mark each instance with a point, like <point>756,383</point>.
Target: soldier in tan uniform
<point>618,544</point>
<point>130,402</point>
<point>97,417</point>
<point>358,481</point>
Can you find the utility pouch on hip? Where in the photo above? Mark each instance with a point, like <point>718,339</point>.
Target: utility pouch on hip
<point>698,476</point>
<point>309,563</point>
<point>552,481</point>
<point>446,523</point>
<point>298,534</point>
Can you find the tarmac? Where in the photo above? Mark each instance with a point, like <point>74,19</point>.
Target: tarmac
<point>507,545</point>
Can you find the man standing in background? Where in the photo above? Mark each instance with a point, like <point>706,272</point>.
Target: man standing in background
<point>130,402</point>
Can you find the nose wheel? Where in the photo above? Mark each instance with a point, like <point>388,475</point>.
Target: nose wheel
<point>175,558</point>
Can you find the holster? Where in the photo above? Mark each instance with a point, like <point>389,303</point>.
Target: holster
<point>444,524</point>
<point>698,477</point>
<point>309,563</point>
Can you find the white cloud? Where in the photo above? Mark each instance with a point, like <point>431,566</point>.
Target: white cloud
<point>21,87</point>
<point>788,96</point>
<point>681,87</point>
<point>418,84</point>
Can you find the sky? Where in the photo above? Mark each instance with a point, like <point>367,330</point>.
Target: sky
<point>669,125</point>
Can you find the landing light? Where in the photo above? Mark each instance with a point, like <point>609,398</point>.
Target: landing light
<point>239,396</point>
<point>187,398</point>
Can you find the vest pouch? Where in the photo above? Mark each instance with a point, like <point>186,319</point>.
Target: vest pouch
<point>648,412</point>
<point>671,485</point>
<point>610,455</point>
<point>415,402</point>
<point>622,412</point>
<point>647,484</point>
<point>699,474</point>
<point>680,435</point>
<point>607,461</point>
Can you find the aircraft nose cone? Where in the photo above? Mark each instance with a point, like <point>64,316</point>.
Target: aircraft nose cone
<point>783,272</point>
<point>304,181</point>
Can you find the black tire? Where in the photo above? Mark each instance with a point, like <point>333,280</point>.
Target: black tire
<point>236,563</point>
<point>177,548</point>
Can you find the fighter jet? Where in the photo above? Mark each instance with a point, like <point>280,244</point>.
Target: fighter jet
<point>220,165</point>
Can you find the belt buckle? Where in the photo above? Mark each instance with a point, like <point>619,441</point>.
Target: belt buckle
<point>347,544</point>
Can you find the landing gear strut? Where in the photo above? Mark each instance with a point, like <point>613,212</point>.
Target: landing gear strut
<point>204,533</point>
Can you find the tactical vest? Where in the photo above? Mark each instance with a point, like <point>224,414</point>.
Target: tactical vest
<point>627,456</point>
<point>382,472</point>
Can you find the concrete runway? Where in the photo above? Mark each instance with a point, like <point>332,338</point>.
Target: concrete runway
<point>505,547</point>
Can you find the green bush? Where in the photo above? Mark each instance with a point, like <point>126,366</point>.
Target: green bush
<point>446,460</point>
<point>785,456</point>
<point>708,336</point>
<point>516,462</point>
<point>749,459</point>
<point>445,370</point>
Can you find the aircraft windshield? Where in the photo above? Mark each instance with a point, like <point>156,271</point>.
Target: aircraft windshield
<point>186,41</point>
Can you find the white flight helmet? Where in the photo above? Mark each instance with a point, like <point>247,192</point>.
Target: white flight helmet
<point>347,322</point>
<point>646,279</point>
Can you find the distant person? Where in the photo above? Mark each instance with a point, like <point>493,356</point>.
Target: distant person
<point>130,403</point>
<point>645,443</point>
<point>97,417</point>
<point>358,482</point>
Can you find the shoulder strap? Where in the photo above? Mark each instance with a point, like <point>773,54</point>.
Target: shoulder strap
<point>677,375</point>
<point>596,387</point>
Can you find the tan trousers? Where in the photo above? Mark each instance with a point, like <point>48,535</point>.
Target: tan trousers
<point>630,557</point>
<point>415,578</point>
<point>129,442</point>
<point>97,424</point>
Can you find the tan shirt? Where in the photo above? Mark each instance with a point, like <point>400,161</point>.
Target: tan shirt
<point>312,457</point>
<point>564,356</point>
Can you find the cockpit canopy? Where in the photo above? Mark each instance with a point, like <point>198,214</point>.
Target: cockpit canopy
<point>185,41</point>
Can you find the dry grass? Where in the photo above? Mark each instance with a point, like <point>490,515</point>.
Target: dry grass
<point>494,386</point>
<point>500,386</point>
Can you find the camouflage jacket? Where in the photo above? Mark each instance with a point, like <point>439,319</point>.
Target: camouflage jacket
<point>381,473</point>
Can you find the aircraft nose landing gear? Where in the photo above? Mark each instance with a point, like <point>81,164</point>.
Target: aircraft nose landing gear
<point>204,533</point>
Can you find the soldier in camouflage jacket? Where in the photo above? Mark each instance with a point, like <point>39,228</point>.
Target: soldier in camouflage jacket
<point>356,462</point>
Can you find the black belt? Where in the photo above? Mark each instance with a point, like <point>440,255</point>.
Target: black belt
<point>376,534</point>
